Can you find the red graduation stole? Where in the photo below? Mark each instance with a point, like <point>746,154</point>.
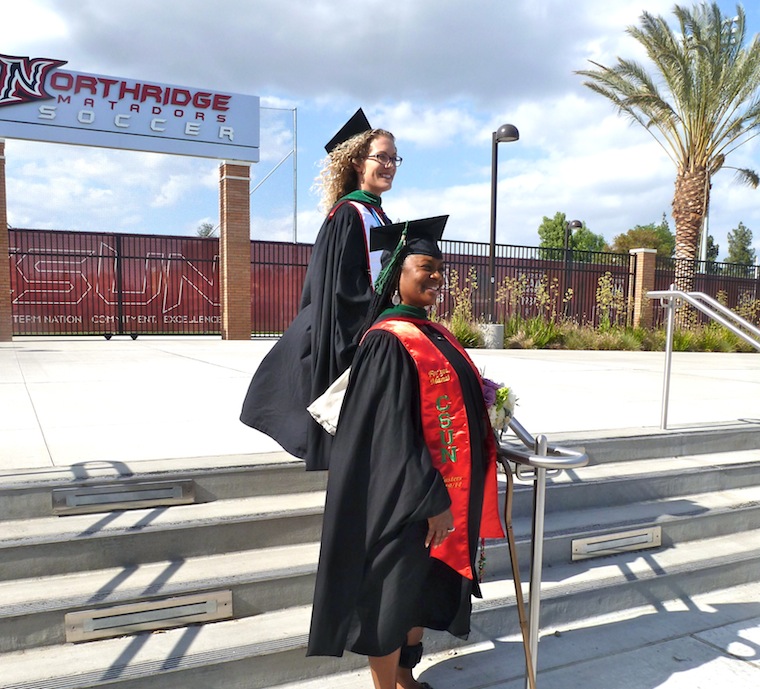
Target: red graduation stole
<point>446,431</point>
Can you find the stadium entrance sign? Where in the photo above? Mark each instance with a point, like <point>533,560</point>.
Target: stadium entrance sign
<point>41,101</point>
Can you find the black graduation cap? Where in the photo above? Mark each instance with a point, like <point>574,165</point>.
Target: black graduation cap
<point>404,238</point>
<point>422,236</point>
<point>356,125</point>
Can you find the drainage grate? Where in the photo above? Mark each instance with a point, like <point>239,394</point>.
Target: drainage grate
<point>611,544</point>
<point>119,620</point>
<point>122,496</point>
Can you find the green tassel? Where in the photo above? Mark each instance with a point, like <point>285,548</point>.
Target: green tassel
<point>385,273</point>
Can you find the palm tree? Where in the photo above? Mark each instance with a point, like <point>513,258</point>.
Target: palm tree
<point>700,104</point>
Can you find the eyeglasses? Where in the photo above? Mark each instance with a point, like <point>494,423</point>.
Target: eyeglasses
<point>385,160</point>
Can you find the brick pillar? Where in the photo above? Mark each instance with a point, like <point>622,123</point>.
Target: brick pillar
<point>235,250</point>
<point>643,308</point>
<point>6,322</point>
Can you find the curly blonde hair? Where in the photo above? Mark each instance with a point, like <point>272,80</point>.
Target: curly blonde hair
<point>338,176</point>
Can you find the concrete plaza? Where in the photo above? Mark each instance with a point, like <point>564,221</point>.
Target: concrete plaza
<point>68,402</point>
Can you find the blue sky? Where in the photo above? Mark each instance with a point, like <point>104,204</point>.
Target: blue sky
<point>441,74</point>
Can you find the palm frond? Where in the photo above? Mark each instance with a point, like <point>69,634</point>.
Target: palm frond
<point>748,177</point>
<point>701,98</point>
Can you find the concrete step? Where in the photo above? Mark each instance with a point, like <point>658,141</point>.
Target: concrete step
<point>626,482</point>
<point>601,651</point>
<point>58,545</point>
<point>665,463</point>
<point>249,652</point>
<point>270,577</point>
<point>628,444</point>
<point>268,649</point>
<point>28,494</point>
<point>681,519</point>
<point>582,589</point>
<point>261,580</point>
<point>255,532</point>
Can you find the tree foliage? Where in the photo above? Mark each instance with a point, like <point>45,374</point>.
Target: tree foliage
<point>713,249</point>
<point>740,246</point>
<point>206,229</point>
<point>584,239</point>
<point>551,232</point>
<point>699,102</point>
<point>649,236</point>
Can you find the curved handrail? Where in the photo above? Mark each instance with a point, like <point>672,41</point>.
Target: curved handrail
<point>541,458</point>
<point>556,458</point>
<point>712,309</point>
<point>714,303</point>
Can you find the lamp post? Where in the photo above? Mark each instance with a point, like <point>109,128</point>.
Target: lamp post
<point>569,227</point>
<point>505,133</point>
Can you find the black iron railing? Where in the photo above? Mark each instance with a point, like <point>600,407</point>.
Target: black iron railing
<point>532,281</point>
<point>85,283</point>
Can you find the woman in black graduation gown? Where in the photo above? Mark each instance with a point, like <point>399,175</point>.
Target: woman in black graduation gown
<point>412,483</point>
<point>320,343</point>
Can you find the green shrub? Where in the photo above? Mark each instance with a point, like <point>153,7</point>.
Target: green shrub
<point>614,338</point>
<point>579,337</point>
<point>685,340</point>
<point>462,323</point>
<point>546,328</point>
<point>468,333</point>
<point>532,333</point>
<point>620,339</point>
<point>610,303</point>
<point>748,307</point>
<point>713,338</point>
<point>650,340</point>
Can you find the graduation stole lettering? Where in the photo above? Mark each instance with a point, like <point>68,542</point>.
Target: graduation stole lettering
<point>446,431</point>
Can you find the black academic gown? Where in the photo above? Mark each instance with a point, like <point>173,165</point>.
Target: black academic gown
<point>318,345</point>
<point>376,580</point>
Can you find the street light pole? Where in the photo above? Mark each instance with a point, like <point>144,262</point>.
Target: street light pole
<point>569,227</point>
<point>505,133</point>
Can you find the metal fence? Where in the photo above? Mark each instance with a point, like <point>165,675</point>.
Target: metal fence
<point>586,286</point>
<point>735,286</point>
<point>83,283</point>
<point>277,275</point>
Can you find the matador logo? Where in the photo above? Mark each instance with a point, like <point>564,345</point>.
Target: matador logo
<point>22,79</point>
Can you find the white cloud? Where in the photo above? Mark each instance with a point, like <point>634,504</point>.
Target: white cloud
<point>170,191</point>
<point>427,126</point>
<point>441,74</point>
<point>44,24</point>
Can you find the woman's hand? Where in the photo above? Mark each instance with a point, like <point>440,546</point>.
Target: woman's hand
<point>439,527</point>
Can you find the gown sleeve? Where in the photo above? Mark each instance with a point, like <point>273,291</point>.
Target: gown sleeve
<point>318,345</point>
<point>339,290</point>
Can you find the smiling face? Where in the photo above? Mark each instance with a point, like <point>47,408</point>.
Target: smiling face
<point>421,280</point>
<point>373,175</point>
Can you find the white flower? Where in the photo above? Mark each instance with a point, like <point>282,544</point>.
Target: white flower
<point>503,401</point>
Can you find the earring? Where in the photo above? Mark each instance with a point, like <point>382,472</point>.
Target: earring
<point>396,298</point>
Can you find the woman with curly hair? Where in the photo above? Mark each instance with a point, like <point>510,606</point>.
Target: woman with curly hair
<point>320,343</point>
